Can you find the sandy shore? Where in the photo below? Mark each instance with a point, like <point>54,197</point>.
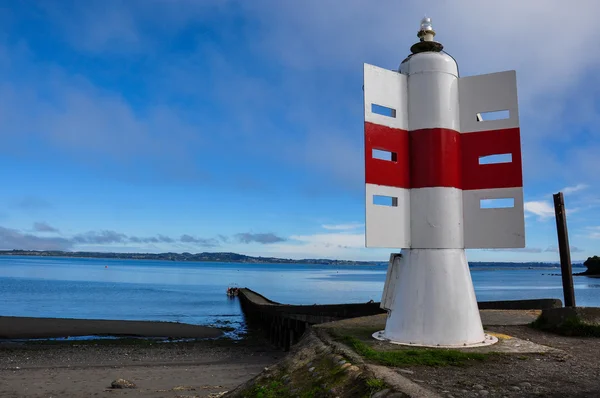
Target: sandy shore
<point>202,368</point>
<point>30,328</point>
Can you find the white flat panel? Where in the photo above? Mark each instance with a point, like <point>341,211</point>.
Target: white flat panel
<point>436,218</point>
<point>433,101</point>
<point>488,93</point>
<point>385,88</point>
<point>389,288</point>
<point>387,226</point>
<point>493,227</point>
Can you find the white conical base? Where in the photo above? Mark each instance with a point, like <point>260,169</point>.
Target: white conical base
<point>431,300</point>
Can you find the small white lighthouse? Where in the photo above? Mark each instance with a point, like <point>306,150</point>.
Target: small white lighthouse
<point>434,188</point>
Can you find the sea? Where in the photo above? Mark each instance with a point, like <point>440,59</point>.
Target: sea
<point>194,292</point>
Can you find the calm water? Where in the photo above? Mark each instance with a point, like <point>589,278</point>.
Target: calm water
<point>195,292</point>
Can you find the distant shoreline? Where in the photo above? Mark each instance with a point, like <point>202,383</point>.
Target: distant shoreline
<point>240,258</point>
<point>186,257</point>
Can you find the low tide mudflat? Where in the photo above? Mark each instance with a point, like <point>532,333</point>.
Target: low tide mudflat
<point>201,368</point>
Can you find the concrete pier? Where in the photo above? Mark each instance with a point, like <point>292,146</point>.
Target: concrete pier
<point>285,324</point>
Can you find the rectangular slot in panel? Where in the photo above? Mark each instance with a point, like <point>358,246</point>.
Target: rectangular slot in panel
<point>497,203</point>
<point>383,110</point>
<point>493,115</point>
<point>385,155</point>
<point>381,200</point>
<point>496,159</point>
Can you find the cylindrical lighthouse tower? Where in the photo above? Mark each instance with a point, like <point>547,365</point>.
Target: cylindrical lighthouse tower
<point>434,193</point>
<point>433,301</point>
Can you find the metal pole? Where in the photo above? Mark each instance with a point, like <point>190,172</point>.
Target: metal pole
<point>563,248</point>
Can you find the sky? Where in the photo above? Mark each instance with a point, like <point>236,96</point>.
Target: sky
<point>223,125</point>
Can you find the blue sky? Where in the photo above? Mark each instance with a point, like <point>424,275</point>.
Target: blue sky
<point>218,125</point>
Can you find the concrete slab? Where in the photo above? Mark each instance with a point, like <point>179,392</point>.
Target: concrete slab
<point>508,317</point>
<point>364,327</point>
<point>513,345</point>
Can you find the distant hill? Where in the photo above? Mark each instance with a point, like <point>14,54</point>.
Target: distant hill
<point>204,257</point>
<point>241,258</point>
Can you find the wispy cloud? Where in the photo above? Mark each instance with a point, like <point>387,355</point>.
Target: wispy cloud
<point>13,239</point>
<point>554,249</point>
<point>343,227</point>
<point>517,250</point>
<point>28,203</point>
<point>332,240</point>
<point>573,189</point>
<point>542,209</point>
<point>593,232</point>
<point>99,238</point>
<point>199,241</point>
<point>44,227</point>
<point>264,238</point>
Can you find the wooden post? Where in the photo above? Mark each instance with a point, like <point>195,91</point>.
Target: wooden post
<point>564,250</point>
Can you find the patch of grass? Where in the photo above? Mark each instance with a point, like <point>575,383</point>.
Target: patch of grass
<point>375,385</point>
<point>572,326</point>
<point>411,357</point>
<point>272,389</point>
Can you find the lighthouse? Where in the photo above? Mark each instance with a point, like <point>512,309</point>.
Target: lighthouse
<point>442,174</point>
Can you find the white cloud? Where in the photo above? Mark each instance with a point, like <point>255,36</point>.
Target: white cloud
<point>341,240</point>
<point>542,209</point>
<point>594,232</point>
<point>576,188</point>
<point>343,227</point>
<point>328,245</point>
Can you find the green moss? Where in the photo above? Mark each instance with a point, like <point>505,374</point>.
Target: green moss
<point>327,379</point>
<point>572,326</point>
<point>271,389</point>
<point>411,357</point>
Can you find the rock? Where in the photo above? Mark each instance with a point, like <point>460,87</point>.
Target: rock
<point>286,379</point>
<point>449,396</point>
<point>311,369</point>
<point>353,368</point>
<point>525,384</point>
<point>341,361</point>
<point>515,388</point>
<point>484,393</point>
<point>122,383</point>
<point>346,365</point>
<point>463,392</point>
<point>381,393</point>
<point>183,388</point>
<point>419,381</point>
<point>478,387</point>
<point>407,371</point>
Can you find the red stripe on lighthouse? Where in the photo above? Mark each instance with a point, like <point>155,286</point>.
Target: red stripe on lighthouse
<point>490,176</point>
<point>440,157</point>
<point>393,173</point>
<point>435,158</point>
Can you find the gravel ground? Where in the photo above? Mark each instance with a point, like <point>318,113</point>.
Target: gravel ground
<point>86,369</point>
<point>573,373</point>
